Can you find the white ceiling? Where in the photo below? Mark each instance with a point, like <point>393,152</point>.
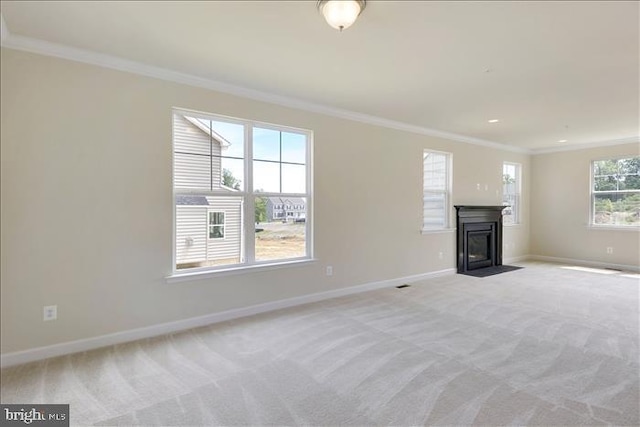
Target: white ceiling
<point>548,70</point>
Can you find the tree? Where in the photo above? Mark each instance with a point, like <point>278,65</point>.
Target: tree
<point>261,210</point>
<point>606,176</point>
<point>631,168</point>
<point>229,180</point>
<point>507,179</point>
<point>508,184</point>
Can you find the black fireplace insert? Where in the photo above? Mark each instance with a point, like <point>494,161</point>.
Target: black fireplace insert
<point>479,237</point>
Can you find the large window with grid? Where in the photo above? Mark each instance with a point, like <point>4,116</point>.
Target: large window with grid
<point>615,192</point>
<point>228,177</point>
<point>511,185</point>
<point>436,193</point>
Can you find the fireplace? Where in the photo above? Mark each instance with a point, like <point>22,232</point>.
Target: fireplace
<point>479,232</point>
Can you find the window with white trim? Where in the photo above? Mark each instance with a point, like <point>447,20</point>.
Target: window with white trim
<point>615,192</point>
<point>511,187</point>
<point>436,190</point>
<point>225,170</point>
<point>216,225</point>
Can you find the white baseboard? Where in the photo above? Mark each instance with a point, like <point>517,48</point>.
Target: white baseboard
<point>515,259</point>
<point>583,263</point>
<point>39,353</point>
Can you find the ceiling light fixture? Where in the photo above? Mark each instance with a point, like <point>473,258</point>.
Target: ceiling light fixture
<point>494,121</point>
<point>341,14</point>
<point>562,140</point>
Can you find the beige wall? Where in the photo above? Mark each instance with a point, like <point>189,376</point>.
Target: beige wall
<point>87,203</point>
<point>560,203</point>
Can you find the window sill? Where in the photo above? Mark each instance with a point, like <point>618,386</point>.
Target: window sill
<point>437,231</point>
<point>256,268</point>
<point>518,225</point>
<point>614,227</point>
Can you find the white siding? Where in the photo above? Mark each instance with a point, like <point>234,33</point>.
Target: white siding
<point>194,167</point>
<point>191,226</point>
<point>229,247</point>
<point>192,233</point>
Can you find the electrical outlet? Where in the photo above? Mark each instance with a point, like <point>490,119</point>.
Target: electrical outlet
<point>609,250</point>
<point>329,270</point>
<point>49,312</point>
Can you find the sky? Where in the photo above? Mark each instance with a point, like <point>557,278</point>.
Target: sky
<point>266,149</point>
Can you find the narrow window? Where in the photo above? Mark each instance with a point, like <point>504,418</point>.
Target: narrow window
<point>511,184</point>
<point>216,225</point>
<point>436,190</point>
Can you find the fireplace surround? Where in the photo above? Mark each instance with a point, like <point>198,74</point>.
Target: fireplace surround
<point>479,236</point>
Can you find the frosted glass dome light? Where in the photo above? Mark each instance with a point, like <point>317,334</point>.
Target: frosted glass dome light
<point>341,14</point>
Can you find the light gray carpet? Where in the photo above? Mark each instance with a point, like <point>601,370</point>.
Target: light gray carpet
<point>539,346</point>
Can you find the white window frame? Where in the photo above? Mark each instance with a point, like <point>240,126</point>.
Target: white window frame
<point>446,192</point>
<point>592,195</point>
<point>223,225</point>
<point>248,261</point>
<point>515,208</point>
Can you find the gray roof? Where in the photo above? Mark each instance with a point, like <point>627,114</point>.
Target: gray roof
<point>192,200</point>
<point>291,200</point>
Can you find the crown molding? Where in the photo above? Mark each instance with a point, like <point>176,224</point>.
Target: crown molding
<point>585,146</point>
<point>42,47</point>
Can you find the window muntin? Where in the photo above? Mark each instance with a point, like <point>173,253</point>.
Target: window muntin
<point>220,167</point>
<point>203,150</point>
<point>436,190</point>
<point>279,161</point>
<point>615,192</point>
<point>511,188</point>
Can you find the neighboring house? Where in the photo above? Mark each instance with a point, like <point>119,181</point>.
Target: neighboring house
<point>207,227</point>
<point>286,209</point>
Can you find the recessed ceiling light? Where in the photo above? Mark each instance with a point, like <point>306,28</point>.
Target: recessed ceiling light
<point>562,140</point>
<point>494,121</point>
